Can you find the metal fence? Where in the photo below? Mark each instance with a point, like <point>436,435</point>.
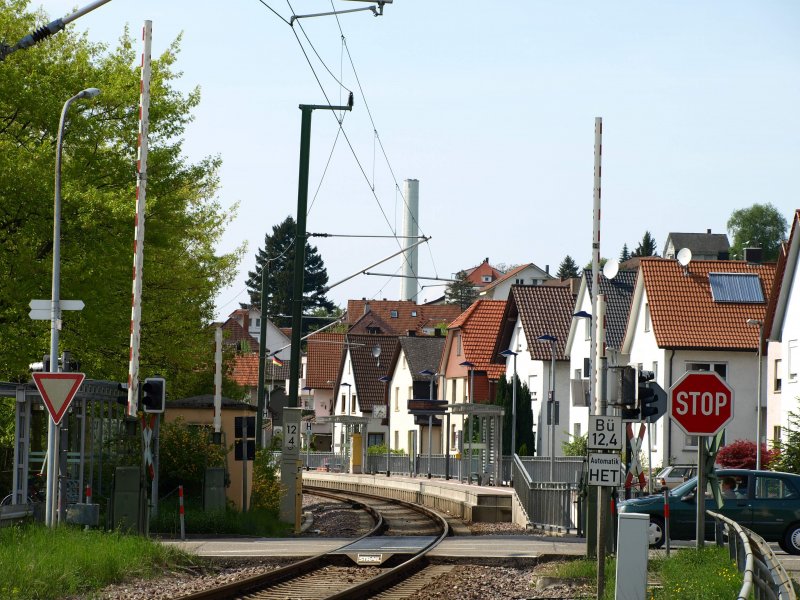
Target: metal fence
<point>549,505</point>
<point>764,576</point>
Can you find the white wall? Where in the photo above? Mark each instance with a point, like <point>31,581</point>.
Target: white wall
<point>400,421</point>
<point>789,352</point>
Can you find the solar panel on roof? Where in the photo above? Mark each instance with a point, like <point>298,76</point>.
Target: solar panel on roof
<point>736,287</point>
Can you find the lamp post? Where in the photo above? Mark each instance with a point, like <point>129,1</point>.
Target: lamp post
<point>55,307</point>
<point>432,375</point>
<point>760,324</point>
<point>386,381</point>
<point>469,365</point>
<point>506,354</point>
<point>551,400</point>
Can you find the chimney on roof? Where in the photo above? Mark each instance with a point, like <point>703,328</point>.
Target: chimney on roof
<point>708,231</point>
<point>366,307</point>
<point>753,255</point>
<point>412,333</point>
<point>437,332</point>
<point>486,260</point>
<point>547,269</point>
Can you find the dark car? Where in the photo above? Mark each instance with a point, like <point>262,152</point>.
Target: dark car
<point>768,502</point>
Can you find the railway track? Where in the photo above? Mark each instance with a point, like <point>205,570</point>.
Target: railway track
<point>391,559</point>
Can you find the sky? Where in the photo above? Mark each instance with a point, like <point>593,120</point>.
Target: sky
<point>491,106</point>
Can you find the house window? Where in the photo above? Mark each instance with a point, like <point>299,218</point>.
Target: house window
<point>394,314</point>
<point>776,434</point>
<point>258,322</point>
<point>453,436</point>
<point>405,362</point>
<point>777,375</point>
<point>250,321</point>
<point>519,281</point>
<point>397,439</point>
<point>466,386</point>
<point>396,399</point>
<point>519,338</point>
<point>352,405</point>
<point>344,403</point>
<point>647,317</point>
<point>453,394</point>
<point>458,343</point>
<point>587,329</point>
<point>413,313</point>
<point>691,441</point>
<point>486,279</point>
<point>720,368</point>
<point>793,359</point>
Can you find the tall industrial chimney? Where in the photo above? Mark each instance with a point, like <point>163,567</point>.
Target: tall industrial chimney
<point>409,286</point>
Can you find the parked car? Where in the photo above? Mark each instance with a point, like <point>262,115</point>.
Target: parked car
<point>768,502</point>
<point>674,475</point>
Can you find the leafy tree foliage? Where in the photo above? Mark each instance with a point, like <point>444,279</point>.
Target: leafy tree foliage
<point>182,273</point>
<point>575,446</point>
<point>789,447</point>
<point>760,226</point>
<point>276,260</point>
<point>267,489</point>
<point>625,254</point>
<point>461,291</point>
<point>504,398</point>
<point>185,451</point>
<point>647,247</point>
<point>741,454</point>
<point>568,268</point>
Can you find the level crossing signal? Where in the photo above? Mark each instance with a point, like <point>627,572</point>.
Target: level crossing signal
<point>154,395</point>
<point>639,398</point>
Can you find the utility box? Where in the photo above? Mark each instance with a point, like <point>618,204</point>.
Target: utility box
<point>83,514</point>
<point>214,489</point>
<point>125,499</point>
<point>632,554</point>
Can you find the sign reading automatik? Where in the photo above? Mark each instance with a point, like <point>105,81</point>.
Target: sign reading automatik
<point>605,434</point>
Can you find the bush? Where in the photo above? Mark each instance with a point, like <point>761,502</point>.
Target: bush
<point>185,451</point>
<point>267,488</point>
<point>741,454</point>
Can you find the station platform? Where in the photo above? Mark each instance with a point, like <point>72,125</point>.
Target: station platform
<point>473,503</point>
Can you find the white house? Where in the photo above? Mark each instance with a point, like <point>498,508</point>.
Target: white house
<point>528,274</point>
<point>782,330</point>
<point>534,312</point>
<point>277,341</point>
<point>696,318</point>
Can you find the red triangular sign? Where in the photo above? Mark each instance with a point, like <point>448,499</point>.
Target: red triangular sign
<point>58,390</point>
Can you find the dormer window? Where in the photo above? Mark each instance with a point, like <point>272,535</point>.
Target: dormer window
<point>413,313</point>
<point>486,279</point>
<point>394,314</point>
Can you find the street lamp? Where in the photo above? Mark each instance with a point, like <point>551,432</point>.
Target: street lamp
<point>506,354</point>
<point>55,306</point>
<point>386,381</point>
<point>432,375</point>
<point>471,366</point>
<point>760,324</point>
<point>551,400</point>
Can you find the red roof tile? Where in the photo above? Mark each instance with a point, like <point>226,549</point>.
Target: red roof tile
<point>324,352</point>
<point>480,327</point>
<point>233,334</point>
<point>409,315</point>
<point>244,370</point>
<point>684,314</point>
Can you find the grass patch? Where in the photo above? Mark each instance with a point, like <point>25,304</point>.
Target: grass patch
<point>262,523</point>
<point>40,563</point>
<point>707,574</point>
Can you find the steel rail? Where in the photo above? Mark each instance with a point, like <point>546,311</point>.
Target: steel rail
<point>385,580</point>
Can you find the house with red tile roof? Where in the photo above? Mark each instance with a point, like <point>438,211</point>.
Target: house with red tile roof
<point>483,274</point>
<point>781,342</point>
<point>696,318</point>
<point>398,317</point>
<point>500,288</point>
<point>278,339</point>
<point>472,338</point>
<point>531,312</point>
<point>323,358</point>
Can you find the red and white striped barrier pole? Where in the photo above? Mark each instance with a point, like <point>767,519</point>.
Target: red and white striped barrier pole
<point>88,500</point>
<point>180,510</point>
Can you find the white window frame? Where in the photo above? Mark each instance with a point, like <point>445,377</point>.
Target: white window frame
<point>793,361</point>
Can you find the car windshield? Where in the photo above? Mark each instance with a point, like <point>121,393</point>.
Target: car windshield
<point>684,488</point>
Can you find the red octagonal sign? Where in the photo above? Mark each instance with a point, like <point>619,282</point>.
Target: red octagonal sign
<point>701,403</point>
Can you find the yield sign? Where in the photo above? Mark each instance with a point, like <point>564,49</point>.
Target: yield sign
<point>58,390</point>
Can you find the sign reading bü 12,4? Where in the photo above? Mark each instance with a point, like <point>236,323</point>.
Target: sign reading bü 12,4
<point>605,469</point>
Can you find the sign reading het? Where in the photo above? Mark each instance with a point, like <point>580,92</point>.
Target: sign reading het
<point>605,433</point>
<point>605,470</point>
<point>701,403</point>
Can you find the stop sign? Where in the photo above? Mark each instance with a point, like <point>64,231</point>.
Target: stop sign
<point>701,403</point>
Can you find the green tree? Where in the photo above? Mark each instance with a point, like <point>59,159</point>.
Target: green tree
<point>461,291</point>
<point>568,268</point>
<point>182,272</point>
<point>184,452</point>
<point>504,398</point>
<point>575,446</point>
<point>759,226</point>
<point>276,260</point>
<point>647,247</point>
<point>625,254</point>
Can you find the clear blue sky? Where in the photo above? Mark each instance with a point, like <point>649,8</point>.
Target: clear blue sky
<point>491,106</point>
